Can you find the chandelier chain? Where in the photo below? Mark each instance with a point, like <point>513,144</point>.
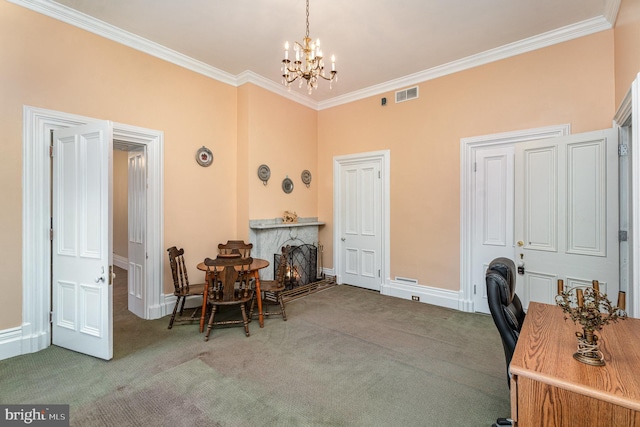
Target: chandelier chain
<point>307,35</point>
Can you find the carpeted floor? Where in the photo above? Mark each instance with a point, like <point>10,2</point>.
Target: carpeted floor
<point>346,357</point>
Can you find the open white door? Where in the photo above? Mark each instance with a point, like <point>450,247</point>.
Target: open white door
<point>493,215</point>
<point>137,248</point>
<point>82,240</point>
<point>566,214</point>
<point>361,224</point>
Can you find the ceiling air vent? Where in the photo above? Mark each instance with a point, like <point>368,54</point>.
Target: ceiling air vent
<point>407,94</point>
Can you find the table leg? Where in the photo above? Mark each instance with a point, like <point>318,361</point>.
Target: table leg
<point>256,276</point>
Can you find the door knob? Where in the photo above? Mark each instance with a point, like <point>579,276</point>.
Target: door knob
<point>520,243</point>
<point>343,239</point>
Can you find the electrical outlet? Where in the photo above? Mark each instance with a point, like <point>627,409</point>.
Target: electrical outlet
<point>415,298</point>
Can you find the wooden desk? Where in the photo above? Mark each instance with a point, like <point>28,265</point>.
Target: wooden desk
<point>550,388</point>
<point>257,265</point>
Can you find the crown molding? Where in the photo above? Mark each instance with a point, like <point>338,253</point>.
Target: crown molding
<point>611,8</point>
<point>279,89</point>
<point>88,23</point>
<point>550,38</point>
<point>108,31</point>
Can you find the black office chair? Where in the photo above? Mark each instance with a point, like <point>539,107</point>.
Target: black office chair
<point>506,310</point>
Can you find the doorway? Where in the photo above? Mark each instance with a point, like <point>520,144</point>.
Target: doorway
<point>38,124</point>
<point>475,256</point>
<point>361,219</point>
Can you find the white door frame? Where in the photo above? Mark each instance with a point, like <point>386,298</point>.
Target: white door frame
<point>468,147</point>
<point>36,202</point>
<point>384,157</point>
<point>629,112</point>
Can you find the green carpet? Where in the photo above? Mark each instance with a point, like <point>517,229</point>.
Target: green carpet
<point>346,357</point>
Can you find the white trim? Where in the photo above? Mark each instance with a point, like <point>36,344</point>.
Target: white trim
<point>36,257</point>
<point>540,41</point>
<point>384,156</point>
<point>611,9</point>
<point>468,146</point>
<point>88,23</point>
<point>93,25</point>
<point>427,294</point>
<point>278,89</point>
<point>120,261</point>
<point>10,343</point>
<point>630,109</point>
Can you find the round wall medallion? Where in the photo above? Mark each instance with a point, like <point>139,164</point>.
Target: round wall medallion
<point>306,177</point>
<point>287,185</point>
<point>204,157</point>
<point>264,173</point>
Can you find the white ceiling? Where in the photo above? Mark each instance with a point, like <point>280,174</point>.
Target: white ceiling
<point>380,45</point>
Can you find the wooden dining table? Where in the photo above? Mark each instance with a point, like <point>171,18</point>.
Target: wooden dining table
<point>254,270</point>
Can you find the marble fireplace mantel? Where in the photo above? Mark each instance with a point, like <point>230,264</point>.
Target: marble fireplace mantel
<point>269,235</point>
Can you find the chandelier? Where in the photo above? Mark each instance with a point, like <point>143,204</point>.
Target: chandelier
<point>308,65</point>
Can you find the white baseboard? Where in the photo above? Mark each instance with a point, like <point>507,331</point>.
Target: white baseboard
<point>328,272</point>
<point>10,343</point>
<point>120,261</point>
<point>426,294</point>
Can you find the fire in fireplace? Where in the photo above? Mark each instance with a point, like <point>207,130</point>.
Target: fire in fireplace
<point>302,265</point>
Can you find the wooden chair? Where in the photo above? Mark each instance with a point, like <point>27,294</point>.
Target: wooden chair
<point>272,289</point>
<point>182,288</point>
<point>235,247</point>
<point>229,285</point>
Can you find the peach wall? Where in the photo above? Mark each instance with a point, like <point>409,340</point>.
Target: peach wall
<point>627,47</point>
<point>120,203</point>
<point>568,83</point>
<point>48,64</point>
<point>283,135</point>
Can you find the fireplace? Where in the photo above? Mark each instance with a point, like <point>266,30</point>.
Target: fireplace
<point>302,265</point>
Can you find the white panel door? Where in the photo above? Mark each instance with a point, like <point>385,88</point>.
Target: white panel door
<point>82,240</point>
<point>493,219</point>
<point>361,234</point>
<point>137,249</point>
<point>567,214</point>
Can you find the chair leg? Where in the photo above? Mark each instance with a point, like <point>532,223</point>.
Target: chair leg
<point>251,305</point>
<point>245,320</point>
<point>173,315</point>
<point>184,299</point>
<point>281,301</point>
<point>210,324</point>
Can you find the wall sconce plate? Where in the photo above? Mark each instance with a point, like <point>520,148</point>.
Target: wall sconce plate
<point>287,185</point>
<point>306,177</point>
<point>204,156</point>
<point>264,173</point>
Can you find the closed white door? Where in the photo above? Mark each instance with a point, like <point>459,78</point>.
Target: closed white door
<point>360,243</point>
<point>137,248</point>
<point>567,214</point>
<point>82,296</point>
<point>493,215</point>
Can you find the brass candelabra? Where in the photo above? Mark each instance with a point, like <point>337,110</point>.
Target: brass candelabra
<point>592,310</point>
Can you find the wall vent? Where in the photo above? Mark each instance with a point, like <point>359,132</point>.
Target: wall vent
<point>406,280</point>
<point>407,94</point>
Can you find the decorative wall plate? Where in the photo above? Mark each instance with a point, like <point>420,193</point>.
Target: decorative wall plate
<point>306,177</point>
<point>287,185</point>
<point>264,173</point>
<point>204,157</point>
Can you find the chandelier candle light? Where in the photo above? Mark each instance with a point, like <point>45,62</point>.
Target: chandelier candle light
<point>592,310</point>
<point>309,63</point>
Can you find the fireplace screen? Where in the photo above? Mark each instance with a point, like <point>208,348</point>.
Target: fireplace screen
<point>302,265</point>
